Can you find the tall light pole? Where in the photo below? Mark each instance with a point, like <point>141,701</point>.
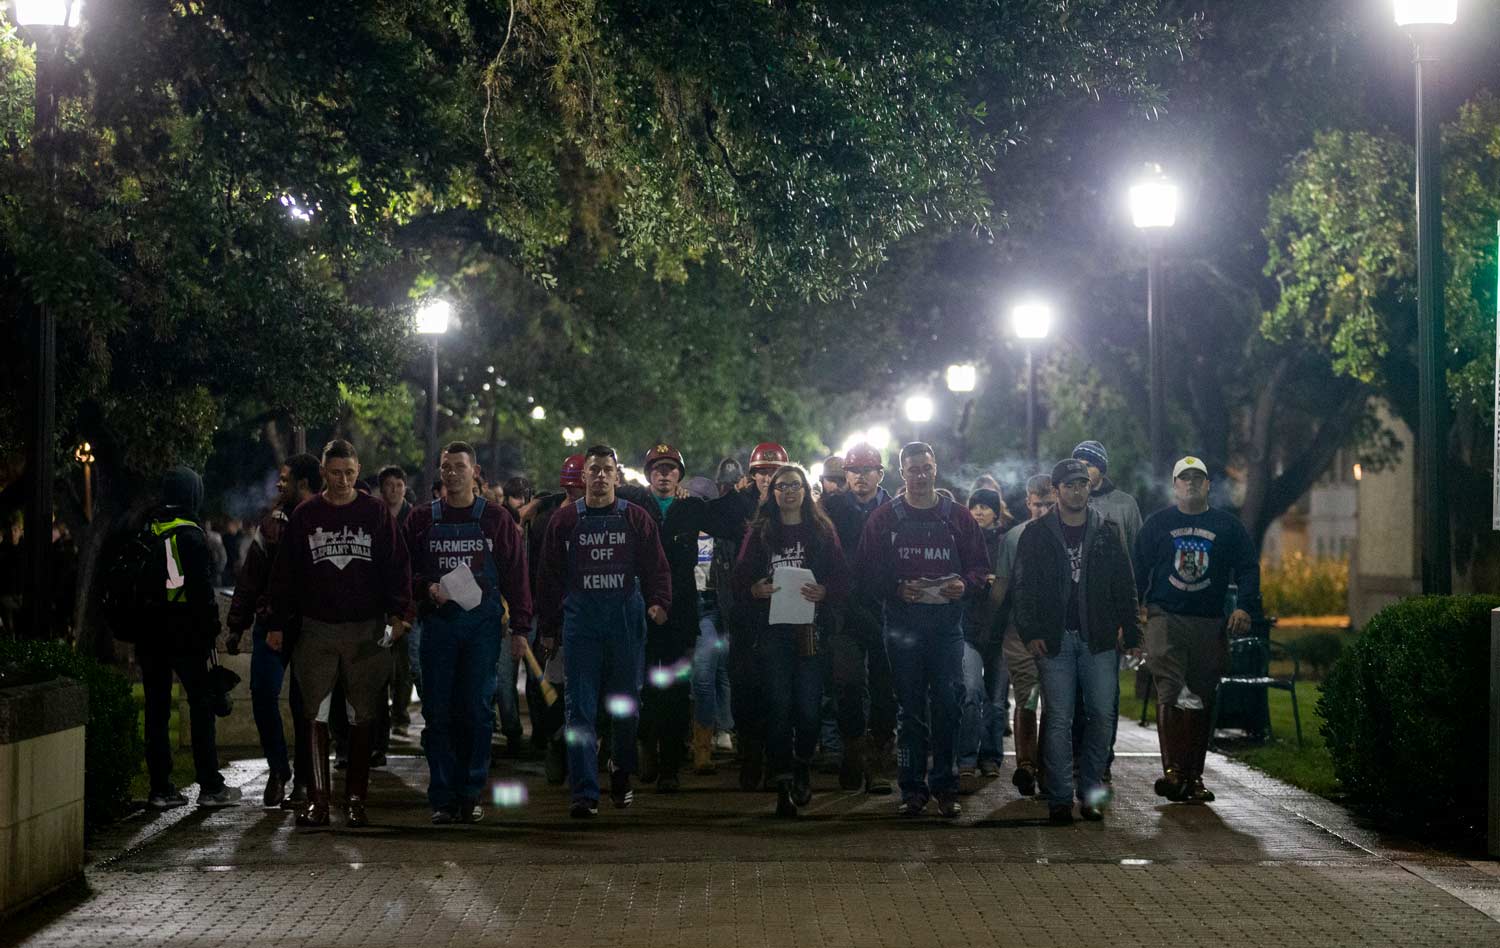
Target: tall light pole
<point>1031,322</point>
<point>919,409</point>
<point>1423,19</point>
<point>1153,209</point>
<point>48,22</point>
<point>432,321</point>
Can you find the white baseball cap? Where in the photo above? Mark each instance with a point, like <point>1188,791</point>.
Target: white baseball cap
<point>1189,463</point>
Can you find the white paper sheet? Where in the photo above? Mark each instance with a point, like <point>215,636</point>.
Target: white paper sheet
<point>788,607</point>
<point>461,587</point>
<point>931,589</point>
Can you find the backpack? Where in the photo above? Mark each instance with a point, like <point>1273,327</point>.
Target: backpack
<point>140,576</point>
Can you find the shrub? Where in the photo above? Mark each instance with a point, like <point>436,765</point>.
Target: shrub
<point>1403,713</point>
<point>113,749</point>
<point>1303,585</point>
<point>1317,651</point>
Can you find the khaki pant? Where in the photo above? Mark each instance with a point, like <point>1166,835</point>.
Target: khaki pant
<point>1185,650</point>
<point>1023,674</point>
<point>329,652</point>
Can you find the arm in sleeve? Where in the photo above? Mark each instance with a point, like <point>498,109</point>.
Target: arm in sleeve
<point>1025,588</point>
<point>510,560</point>
<point>749,568</point>
<point>551,574</point>
<point>199,571</point>
<point>250,585</point>
<point>1122,590</point>
<point>414,535</point>
<point>395,569</point>
<point>1142,560</point>
<point>1247,573</point>
<point>835,573</point>
<point>286,574</point>
<point>651,561</point>
<point>874,578</point>
<point>972,551</point>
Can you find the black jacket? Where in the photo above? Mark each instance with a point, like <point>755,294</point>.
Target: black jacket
<point>1107,601</point>
<point>982,628</point>
<point>189,627</point>
<point>863,615</point>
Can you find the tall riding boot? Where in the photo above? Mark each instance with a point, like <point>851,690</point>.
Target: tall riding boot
<point>703,749</point>
<point>1195,749</point>
<point>1025,733</point>
<point>357,777</point>
<point>320,777</point>
<point>1169,733</point>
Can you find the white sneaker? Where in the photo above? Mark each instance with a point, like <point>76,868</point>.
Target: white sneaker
<point>167,801</point>
<point>723,742</point>
<point>226,796</point>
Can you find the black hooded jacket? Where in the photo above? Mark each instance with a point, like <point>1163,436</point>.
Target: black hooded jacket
<point>188,627</point>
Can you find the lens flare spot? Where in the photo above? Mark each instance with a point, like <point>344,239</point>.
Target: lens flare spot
<point>508,794</point>
<point>577,736</point>
<point>621,706</point>
<point>661,676</point>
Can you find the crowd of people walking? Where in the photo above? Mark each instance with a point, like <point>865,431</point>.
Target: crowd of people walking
<point>759,611</point>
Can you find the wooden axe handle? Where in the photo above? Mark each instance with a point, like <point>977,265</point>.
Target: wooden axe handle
<point>549,693</point>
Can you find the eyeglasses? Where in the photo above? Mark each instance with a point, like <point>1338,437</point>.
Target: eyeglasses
<point>787,486</point>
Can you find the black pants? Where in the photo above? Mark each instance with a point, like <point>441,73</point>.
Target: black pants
<point>861,675</point>
<point>157,669</point>
<point>746,701</point>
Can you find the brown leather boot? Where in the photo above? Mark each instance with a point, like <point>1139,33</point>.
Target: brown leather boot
<point>357,777</point>
<point>1194,750</point>
<point>1169,724</point>
<point>703,749</point>
<point>1024,733</point>
<point>315,813</point>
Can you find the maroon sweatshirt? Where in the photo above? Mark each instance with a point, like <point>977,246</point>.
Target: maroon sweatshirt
<point>340,564</point>
<point>429,564</point>
<point>875,563</point>
<point>553,570</point>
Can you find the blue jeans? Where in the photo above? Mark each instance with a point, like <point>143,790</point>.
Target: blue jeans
<point>458,662</point>
<point>267,671</point>
<point>981,726</point>
<point>794,691</point>
<point>505,690</point>
<point>711,674</point>
<point>1073,670</point>
<point>602,659</point>
<point>926,650</point>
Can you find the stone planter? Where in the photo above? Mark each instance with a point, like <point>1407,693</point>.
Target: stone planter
<point>41,789</point>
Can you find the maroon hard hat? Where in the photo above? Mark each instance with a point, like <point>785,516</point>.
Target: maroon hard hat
<point>862,455</point>
<point>768,454</point>
<point>572,472</point>
<point>664,452</point>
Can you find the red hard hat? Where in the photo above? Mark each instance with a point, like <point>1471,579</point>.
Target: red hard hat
<point>768,454</point>
<point>862,455</point>
<point>664,452</point>
<point>572,472</point>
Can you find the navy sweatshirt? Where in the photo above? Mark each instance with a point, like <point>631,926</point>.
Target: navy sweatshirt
<point>1185,562</point>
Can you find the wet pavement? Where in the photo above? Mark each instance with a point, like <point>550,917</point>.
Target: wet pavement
<point>1264,865</point>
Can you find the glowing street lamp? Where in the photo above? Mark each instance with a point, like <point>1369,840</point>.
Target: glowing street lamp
<point>1153,209</point>
<point>572,437</point>
<point>432,321</point>
<point>85,455</point>
<point>878,437</point>
<point>1424,20</point>
<point>538,413</point>
<point>48,12</point>
<point>919,409</point>
<point>962,378</point>
<point>1031,321</point>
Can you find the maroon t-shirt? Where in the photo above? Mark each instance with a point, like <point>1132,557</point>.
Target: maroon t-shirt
<point>340,564</point>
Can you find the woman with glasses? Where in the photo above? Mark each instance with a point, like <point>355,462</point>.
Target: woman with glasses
<point>789,530</point>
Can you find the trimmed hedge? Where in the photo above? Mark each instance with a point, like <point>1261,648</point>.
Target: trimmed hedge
<point>113,749</point>
<point>1404,714</point>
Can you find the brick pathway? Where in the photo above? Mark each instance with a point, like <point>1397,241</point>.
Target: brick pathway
<point>1265,865</point>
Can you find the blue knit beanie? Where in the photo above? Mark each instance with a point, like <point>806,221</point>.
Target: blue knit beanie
<point>1092,452</point>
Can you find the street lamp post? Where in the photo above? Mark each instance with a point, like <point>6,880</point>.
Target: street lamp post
<point>1422,19</point>
<point>1153,209</point>
<point>85,456</point>
<point>48,22</point>
<point>1031,322</point>
<point>432,321</point>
